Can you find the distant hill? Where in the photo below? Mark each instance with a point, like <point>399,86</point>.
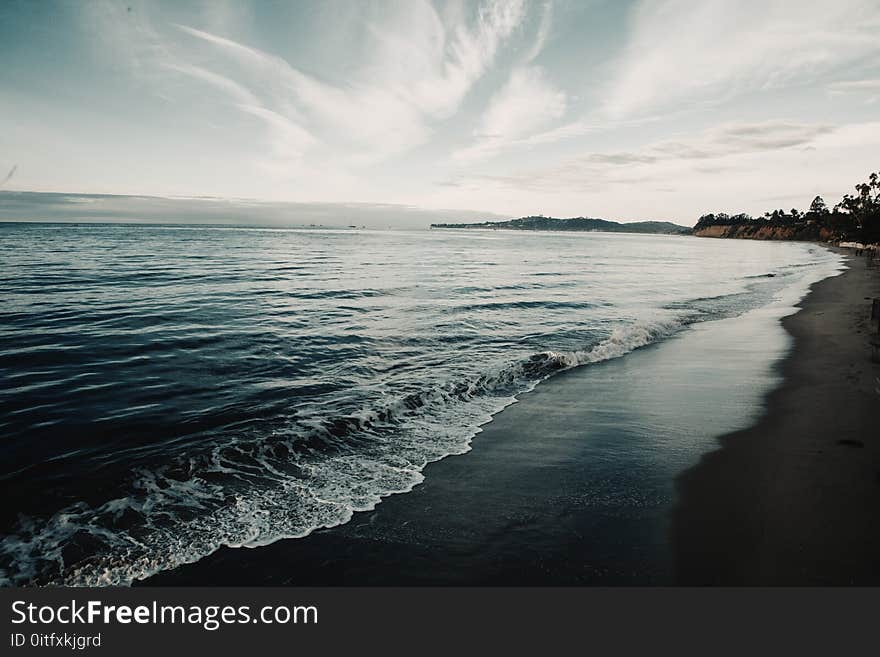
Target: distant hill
<point>577,224</point>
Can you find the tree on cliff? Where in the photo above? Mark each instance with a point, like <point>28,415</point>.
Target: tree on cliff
<point>864,208</point>
<point>818,207</point>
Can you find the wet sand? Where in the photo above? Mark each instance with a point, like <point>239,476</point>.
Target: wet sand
<point>795,499</point>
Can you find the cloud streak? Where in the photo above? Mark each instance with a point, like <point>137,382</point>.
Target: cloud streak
<point>684,51</point>
<point>527,103</point>
<point>386,108</point>
<point>602,169</point>
<point>9,175</point>
<point>417,65</point>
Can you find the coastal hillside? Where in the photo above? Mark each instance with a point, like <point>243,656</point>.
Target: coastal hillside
<point>855,218</point>
<point>541,222</point>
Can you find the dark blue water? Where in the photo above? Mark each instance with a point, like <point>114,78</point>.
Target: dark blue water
<point>169,390</point>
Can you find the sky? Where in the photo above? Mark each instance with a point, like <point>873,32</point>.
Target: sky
<point>404,112</point>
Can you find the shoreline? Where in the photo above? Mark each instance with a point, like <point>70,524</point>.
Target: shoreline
<point>793,499</point>
<point>571,485</point>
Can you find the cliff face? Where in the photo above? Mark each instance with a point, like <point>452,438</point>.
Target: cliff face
<point>808,232</point>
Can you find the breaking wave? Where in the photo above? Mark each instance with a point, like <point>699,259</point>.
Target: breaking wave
<point>252,493</point>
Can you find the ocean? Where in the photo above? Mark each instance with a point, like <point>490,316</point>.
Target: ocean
<point>171,390</point>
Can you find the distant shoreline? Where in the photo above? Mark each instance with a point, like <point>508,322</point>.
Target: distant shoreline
<point>545,231</point>
<point>572,224</point>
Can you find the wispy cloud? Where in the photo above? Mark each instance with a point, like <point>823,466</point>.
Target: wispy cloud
<point>680,51</point>
<point>412,75</point>
<point>602,169</point>
<point>527,103</point>
<point>417,66</point>
<point>432,61</point>
<point>855,85</point>
<point>868,89</point>
<point>680,56</point>
<point>237,92</point>
<point>9,175</point>
<point>543,33</point>
<point>735,138</point>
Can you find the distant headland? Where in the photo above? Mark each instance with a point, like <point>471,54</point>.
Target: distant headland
<point>581,224</point>
<point>856,218</point>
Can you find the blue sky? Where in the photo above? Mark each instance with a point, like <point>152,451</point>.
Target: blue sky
<point>623,110</point>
